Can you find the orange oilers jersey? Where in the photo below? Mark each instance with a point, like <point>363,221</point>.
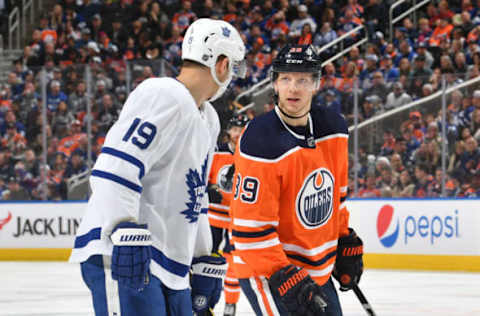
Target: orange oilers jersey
<point>218,214</point>
<point>288,204</point>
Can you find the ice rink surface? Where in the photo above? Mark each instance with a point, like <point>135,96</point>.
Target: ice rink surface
<point>56,289</point>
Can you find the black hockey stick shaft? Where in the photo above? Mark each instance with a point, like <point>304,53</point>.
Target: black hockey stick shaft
<point>366,305</point>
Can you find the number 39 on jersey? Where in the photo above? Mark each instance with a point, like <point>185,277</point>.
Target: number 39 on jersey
<point>246,188</point>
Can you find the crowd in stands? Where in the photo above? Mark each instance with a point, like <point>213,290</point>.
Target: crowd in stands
<point>106,35</point>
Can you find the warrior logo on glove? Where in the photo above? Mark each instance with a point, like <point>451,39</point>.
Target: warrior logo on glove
<point>349,264</point>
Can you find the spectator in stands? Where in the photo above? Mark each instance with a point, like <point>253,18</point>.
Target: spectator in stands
<point>424,30</point>
<point>16,192</point>
<point>390,72</point>
<point>460,64</point>
<point>419,76</point>
<point>184,17</point>
<point>370,190</point>
<point>454,185</point>
<point>31,163</point>
<point>421,50</point>
<point>467,24</point>
<point>397,97</point>
<point>474,191</point>
<point>108,112</point>
<point>404,67</point>
<point>277,27</point>
<point>62,119</point>
<point>470,158</point>
<point>75,165</point>
<point>306,36</point>
<point>55,96</point>
<point>78,99</point>
<point>366,75</point>
<point>297,25</point>
<point>378,87</point>
<point>323,37</point>
<point>404,187</point>
<point>330,101</point>
<point>371,106</point>
<point>423,182</point>
<point>387,148</point>
<point>429,155</point>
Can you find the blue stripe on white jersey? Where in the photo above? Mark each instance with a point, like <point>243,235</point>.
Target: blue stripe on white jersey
<point>117,179</point>
<point>82,240</point>
<point>127,157</point>
<point>168,264</point>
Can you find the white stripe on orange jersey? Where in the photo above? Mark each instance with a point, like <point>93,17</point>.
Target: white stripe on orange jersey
<point>253,223</point>
<point>257,245</point>
<point>237,259</point>
<point>310,252</point>
<point>344,189</point>
<point>231,279</point>
<point>220,218</point>
<point>342,205</point>
<point>219,206</point>
<point>320,273</point>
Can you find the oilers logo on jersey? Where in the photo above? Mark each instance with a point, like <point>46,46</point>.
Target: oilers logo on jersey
<point>197,189</point>
<point>314,203</point>
<point>224,180</point>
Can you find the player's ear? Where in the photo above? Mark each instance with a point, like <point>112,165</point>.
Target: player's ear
<point>222,66</point>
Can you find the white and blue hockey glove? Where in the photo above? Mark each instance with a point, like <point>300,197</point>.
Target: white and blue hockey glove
<point>207,282</point>
<point>131,255</point>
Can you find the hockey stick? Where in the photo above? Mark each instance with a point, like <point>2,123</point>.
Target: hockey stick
<point>366,305</point>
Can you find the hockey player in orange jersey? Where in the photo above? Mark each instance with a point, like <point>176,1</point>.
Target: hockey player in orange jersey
<point>290,223</point>
<point>220,193</point>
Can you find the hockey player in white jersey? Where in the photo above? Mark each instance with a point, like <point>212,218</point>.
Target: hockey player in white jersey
<point>146,224</point>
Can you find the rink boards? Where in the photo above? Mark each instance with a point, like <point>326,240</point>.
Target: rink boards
<point>419,234</point>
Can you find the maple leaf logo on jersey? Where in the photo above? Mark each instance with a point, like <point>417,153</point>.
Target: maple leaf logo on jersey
<point>4,221</point>
<point>197,189</point>
<point>314,203</point>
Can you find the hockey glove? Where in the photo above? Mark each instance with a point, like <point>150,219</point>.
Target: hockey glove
<point>207,282</point>
<point>299,294</point>
<point>214,195</point>
<point>131,255</point>
<point>349,264</point>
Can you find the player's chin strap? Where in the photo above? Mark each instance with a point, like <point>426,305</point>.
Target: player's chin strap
<point>309,138</point>
<point>291,116</point>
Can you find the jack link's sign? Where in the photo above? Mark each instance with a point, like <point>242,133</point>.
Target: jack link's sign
<point>402,226</point>
<point>39,225</point>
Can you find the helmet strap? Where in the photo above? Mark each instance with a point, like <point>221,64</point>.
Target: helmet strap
<point>222,86</point>
<point>291,116</point>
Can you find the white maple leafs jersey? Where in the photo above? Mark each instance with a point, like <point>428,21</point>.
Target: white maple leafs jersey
<point>153,169</point>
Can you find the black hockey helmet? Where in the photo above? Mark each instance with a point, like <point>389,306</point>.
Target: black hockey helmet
<point>239,120</point>
<point>297,58</point>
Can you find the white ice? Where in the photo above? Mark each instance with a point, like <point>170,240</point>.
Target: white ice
<point>56,289</point>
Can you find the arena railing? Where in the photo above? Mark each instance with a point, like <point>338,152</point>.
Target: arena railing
<point>14,27</point>
<point>28,10</point>
<point>411,10</point>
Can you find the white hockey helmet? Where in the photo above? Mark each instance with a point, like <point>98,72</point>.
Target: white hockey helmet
<point>206,40</point>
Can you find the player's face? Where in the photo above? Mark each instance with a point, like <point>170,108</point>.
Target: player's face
<point>295,91</point>
<point>234,133</point>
